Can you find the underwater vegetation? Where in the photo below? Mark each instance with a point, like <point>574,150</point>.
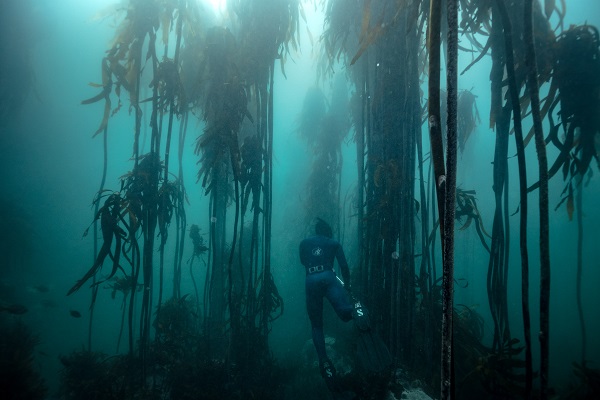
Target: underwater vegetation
<point>587,385</point>
<point>184,80</point>
<point>19,375</point>
<point>178,359</point>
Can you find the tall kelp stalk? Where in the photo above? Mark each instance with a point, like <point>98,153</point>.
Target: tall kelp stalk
<point>267,31</point>
<point>497,284</point>
<point>224,108</point>
<point>577,66</point>
<point>341,39</point>
<point>437,155</point>
<point>95,235</point>
<point>514,91</point>
<point>506,23</point>
<point>237,154</point>
<point>540,146</point>
<point>433,104</point>
<point>147,200</point>
<point>381,42</point>
<point>447,368</point>
<point>391,145</point>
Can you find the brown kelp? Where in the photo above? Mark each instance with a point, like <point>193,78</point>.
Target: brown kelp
<point>588,382</point>
<point>123,285</point>
<point>505,23</point>
<point>266,31</point>
<point>516,112</point>
<point>576,68</point>
<point>110,215</point>
<point>447,371</point>
<point>222,72</point>
<point>225,76</point>
<point>149,198</point>
<point>576,77</point>
<point>377,42</point>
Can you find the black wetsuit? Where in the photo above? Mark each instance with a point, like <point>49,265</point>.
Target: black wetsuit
<point>317,254</point>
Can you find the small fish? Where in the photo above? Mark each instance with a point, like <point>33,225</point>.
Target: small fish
<point>40,288</point>
<point>16,309</point>
<point>75,314</point>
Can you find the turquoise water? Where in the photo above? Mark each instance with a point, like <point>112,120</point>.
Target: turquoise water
<point>52,168</point>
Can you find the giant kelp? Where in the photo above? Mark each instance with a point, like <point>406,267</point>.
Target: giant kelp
<point>358,36</point>
<point>226,74</point>
<point>385,79</point>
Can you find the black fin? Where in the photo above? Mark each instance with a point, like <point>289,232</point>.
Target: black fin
<point>372,353</point>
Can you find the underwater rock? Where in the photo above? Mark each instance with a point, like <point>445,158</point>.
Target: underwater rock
<point>414,394</point>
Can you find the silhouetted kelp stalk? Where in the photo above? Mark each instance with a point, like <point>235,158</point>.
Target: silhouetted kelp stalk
<point>447,370</point>
<point>516,111</point>
<point>339,39</point>
<point>267,30</point>
<point>236,163</point>
<point>445,175</point>
<point>342,38</point>
<point>540,146</point>
<point>378,43</point>
<point>148,199</point>
<point>575,75</point>
<point>545,38</point>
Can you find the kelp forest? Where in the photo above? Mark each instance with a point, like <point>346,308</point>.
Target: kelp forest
<point>466,293</point>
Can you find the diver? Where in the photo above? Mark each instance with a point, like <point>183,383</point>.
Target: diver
<point>317,254</point>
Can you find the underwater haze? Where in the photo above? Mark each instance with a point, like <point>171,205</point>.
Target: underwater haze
<point>162,160</point>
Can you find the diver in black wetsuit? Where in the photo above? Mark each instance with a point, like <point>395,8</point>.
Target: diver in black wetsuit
<point>317,254</point>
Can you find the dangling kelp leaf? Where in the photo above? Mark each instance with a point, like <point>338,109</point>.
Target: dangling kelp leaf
<point>373,35</point>
<point>282,63</point>
<point>97,97</point>
<point>302,13</point>
<point>104,122</point>
<point>570,203</point>
<point>109,216</point>
<point>549,6</point>
<point>365,21</point>
<point>367,37</point>
<point>310,37</point>
<point>105,94</point>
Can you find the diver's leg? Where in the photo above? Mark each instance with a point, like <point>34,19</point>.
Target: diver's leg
<point>315,289</point>
<point>314,306</point>
<point>339,299</point>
